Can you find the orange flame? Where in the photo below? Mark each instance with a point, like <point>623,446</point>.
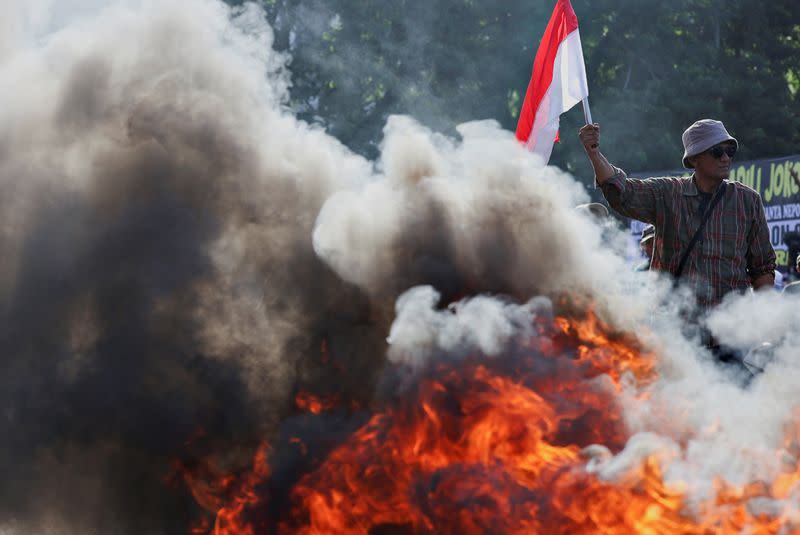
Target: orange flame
<point>226,496</point>
<point>306,401</point>
<point>496,447</point>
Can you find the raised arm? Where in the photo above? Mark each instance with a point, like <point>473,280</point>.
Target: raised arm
<point>590,137</point>
<point>637,199</point>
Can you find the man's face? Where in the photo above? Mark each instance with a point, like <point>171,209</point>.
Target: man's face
<point>716,161</point>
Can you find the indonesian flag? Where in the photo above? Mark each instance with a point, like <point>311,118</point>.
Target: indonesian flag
<point>557,84</point>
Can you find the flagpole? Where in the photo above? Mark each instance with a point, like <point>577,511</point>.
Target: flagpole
<point>587,113</point>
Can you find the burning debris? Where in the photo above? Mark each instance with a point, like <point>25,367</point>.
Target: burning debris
<point>193,279</point>
<point>468,446</point>
<point>533,440</point>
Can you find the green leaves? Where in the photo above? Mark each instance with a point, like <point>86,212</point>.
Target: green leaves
<point>654,67</point>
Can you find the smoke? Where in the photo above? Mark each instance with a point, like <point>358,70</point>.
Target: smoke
<point>696,420</point>
<point>475,216</point>
<point>484,219</point>
<point>420,332</point>
<point>181,256</point>
<point>158,280</point>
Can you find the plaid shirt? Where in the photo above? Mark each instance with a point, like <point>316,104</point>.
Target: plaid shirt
<point>733,249</point>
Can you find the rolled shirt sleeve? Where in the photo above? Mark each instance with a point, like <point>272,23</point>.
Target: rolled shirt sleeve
<point>633,198</point>
<point>734,250</point>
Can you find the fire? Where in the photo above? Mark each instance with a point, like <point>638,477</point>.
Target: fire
<point>307,401</point>
<point>606,354</point>
<point>226,496</point>
<point>494,445</point>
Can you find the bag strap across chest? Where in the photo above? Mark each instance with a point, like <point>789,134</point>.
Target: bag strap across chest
<point>717,197</point>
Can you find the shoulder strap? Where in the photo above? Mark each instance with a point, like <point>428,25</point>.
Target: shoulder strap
<point>706,214</point>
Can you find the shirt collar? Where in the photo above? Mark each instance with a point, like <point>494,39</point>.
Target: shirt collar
<point>689,187</point>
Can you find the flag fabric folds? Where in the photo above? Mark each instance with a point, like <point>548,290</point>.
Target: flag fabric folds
<point>558,82</point>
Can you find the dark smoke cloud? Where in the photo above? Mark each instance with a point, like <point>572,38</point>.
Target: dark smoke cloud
<point>477,216</point>
<point>158,279</point>
<point>160,291</point>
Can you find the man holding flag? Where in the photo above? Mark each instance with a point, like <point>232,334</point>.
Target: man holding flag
<point>711,234</point>
<point>733,254</point>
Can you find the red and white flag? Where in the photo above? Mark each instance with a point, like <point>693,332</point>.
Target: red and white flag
<point>557,84</point>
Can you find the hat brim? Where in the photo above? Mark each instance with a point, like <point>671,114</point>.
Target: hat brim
<point>710,143</point>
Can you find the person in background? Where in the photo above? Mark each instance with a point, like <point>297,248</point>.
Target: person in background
<point>794,287</point>
<point>598,212</point>
<point>778,281</point>
<point>646,246</point>
<point>792,240</point>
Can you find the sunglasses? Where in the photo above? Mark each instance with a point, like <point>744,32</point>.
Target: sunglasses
<point>717,151</point>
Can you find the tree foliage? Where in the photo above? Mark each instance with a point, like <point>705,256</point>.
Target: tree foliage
<point>654,67</point>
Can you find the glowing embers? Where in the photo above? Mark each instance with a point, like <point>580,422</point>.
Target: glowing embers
<point>306,401</point>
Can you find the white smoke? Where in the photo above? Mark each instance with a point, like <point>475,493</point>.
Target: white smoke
<point>156,210</point>
<point>420,332</point>
<point>502,217</point>
<point>119,114</point>
<point>696,419</point>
